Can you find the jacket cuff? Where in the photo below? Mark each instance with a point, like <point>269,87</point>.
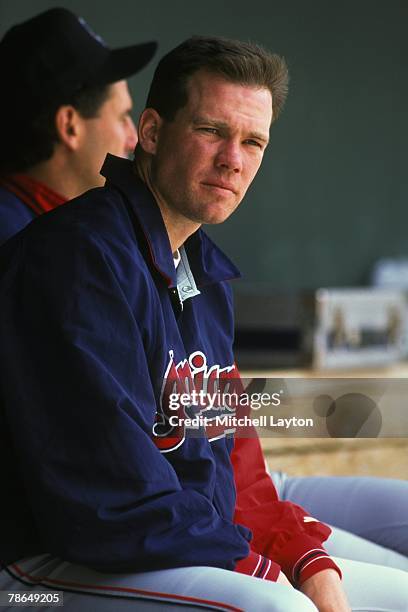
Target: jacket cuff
<point>258,566</point>
<point>304,556</point>
<point>315,565</point>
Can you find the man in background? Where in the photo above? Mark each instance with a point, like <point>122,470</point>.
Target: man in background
<point>64,105</point>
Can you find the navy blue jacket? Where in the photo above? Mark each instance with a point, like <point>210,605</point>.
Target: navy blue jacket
<point>90,323</point>
<point>14,214</point>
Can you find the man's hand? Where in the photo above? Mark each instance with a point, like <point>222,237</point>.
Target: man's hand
<point>326,592</point>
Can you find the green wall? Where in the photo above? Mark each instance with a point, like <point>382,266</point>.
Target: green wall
<point>332,195</point>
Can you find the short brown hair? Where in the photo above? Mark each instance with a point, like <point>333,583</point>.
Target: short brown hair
<point>240,62</point>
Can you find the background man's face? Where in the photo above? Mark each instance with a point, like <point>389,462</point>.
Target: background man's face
<point>207,157</point>
<point>111,131</point>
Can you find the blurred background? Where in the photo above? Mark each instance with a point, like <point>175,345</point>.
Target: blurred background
<point>331,199</point>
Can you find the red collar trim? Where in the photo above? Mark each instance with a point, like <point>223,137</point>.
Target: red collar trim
<point>34,194</point>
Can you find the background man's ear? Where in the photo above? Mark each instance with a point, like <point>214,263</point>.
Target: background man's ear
<point>148,129</point>
<point>68,124</point>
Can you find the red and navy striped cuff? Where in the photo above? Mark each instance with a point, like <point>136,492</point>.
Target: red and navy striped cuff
<point>302,557</point>
<point>258,566</point>
<point>310,563</point>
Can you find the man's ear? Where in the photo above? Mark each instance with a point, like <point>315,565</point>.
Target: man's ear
<point>68,123</point>
<point>148,130</point>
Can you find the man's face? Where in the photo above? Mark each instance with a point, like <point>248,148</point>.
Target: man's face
<point>207,157</point>
<point>111,131</point>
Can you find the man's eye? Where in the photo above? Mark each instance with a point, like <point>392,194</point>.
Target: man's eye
<point>209,130</point>
<point>254,143</point>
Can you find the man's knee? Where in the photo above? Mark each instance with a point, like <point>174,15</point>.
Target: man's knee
<point>284,599</point>
<point>384,587</point>
<point>265,596</point>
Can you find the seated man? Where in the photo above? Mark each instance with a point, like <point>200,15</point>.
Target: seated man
<point>52,148</point>
<point>64,104</point>
<point>102,302</point>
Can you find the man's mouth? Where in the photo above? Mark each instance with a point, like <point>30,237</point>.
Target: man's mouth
<point>220,185</point>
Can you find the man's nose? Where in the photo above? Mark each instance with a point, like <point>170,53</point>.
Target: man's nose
<point>131,136</point>
<point>230,156</point>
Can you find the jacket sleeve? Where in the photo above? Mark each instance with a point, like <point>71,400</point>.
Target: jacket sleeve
<point>80,406</point>
<point>281,530</point>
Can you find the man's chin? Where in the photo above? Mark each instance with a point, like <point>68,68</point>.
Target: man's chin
<point>215,218</point>
<point>210,213</point>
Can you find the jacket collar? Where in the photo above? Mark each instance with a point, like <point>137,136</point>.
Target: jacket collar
<point>208,263</point>
<point>37,196</point>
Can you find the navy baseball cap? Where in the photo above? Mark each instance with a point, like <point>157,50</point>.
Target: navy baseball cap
<point>56,54</point>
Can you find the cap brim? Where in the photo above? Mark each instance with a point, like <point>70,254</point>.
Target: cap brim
<point>123,63</point>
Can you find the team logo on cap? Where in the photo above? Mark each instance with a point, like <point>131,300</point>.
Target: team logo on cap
<point>90,31</point>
